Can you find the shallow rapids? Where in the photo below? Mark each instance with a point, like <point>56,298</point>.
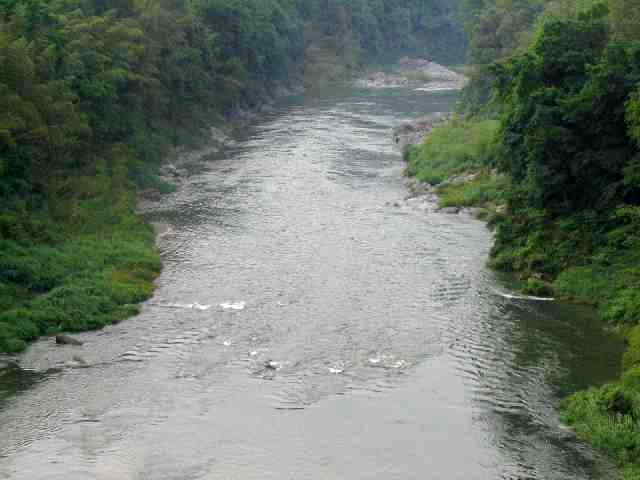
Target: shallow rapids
<point>311,324</point>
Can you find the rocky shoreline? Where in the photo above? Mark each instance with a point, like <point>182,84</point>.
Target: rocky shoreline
<point>174,169</point>
<point>418,73</point>
<point>430,77</point>
<point>425,197</point>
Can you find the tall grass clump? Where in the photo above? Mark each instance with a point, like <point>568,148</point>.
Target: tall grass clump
<point>457,146</point>
<point>607,417</point>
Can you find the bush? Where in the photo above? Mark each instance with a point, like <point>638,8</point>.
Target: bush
<point>624,307</point>
<point>587,284</point>
<point>86,281</point>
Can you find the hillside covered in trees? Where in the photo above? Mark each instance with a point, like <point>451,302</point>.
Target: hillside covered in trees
<point>554,102</point>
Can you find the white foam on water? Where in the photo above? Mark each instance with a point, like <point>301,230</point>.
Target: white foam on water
<point>197,306</point>
<point>184,306</point>
<point>524,297</point>
<point>400,364</point>
<point>437,88</point>
<point>233,305</point>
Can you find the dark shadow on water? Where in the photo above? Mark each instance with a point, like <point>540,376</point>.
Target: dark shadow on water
<point>15,380</point>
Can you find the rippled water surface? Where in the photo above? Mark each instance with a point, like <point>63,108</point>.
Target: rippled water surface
<point>304,327</point>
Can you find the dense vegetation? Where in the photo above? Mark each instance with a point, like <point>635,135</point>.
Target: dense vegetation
<point>94,93</point>
<point>562,79</point>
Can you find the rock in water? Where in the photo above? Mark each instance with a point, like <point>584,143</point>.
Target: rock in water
<point>67,340</point>
<point>449,210</point>
<point>80,361</point>
<point>271,365</point>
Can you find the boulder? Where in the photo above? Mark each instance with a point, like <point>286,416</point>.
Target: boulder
<point>67,340</point>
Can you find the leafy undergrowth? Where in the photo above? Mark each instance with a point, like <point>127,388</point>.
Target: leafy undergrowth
<point>80,273</point>
<point>590,257</point>
<point>607,417</point>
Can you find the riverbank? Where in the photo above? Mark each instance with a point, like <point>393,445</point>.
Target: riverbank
<point>452,161</point>
<point>81,273</point>
<point>91,259</point>
<point>573,258</point>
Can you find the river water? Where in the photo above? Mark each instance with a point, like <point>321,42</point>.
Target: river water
<point>358,339</point>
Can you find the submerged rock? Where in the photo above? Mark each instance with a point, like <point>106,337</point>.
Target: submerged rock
<point>67,340</point>
<point>271,365</point>
<point>77,362</point>
<point>450,210</point>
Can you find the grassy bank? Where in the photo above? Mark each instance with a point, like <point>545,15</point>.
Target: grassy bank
<point>457,159</point>
<point>452,148</point>
<point>84,263</point>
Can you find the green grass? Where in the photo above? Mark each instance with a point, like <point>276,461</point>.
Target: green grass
<point>607,417</point>
<point>455,147</point>
<point>486,188</point>
<point>84,268</point>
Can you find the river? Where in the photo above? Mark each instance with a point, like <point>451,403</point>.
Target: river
<point>304,327</point>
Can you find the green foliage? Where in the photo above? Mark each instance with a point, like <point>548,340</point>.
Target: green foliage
<point>608,418</point>
<point>568,141</point>
<point>564,77</point>
<point>79,75</point>
<point>88,277</point>
<point>631,357</point>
